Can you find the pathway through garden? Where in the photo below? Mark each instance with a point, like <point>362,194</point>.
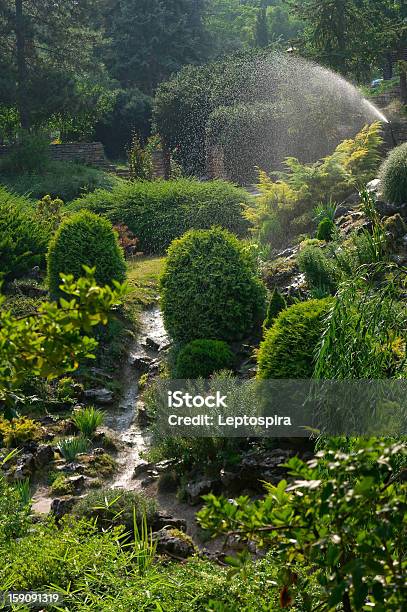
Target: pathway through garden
<point>121,422</point>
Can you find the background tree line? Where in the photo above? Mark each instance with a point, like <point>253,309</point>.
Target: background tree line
<point>91,68</point>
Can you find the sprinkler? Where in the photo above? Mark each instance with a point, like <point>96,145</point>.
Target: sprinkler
<point>390,126</point>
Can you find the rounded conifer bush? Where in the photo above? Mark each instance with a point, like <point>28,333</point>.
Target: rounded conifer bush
<point>276,304</point>
<point>85,239</point>
<point>201,358</point>
<point>210,289</point>
<point>393,176</point>
<point>288,349</point>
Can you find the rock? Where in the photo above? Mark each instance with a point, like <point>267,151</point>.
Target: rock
<point>385,209</point>
<point>174,542</point>
<point>195,490</point>
<point>164,347</point>
<point>395,227</point>
<point>163,521</point>
<point>263,465</point>
<point>352,200</point>
<point>62,505</point>
<point>44,455</point>
<point>101,373</point>
<point>70,468</point>
<point>141,467</point>
<point>142,363</point>
<point>374,186</point>
<point>152,344</point>
<point>100,396</point>
<point>163,466</point>
<point>143,418</point>
<point>341,210</point>
<point>25,466</point>
<point>77,482</point>
<point>148,481</point>
<point>98,451</point>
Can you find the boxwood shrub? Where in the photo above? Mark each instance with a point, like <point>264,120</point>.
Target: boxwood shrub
<point>23,240</point>
<point>201,358</point>
<point>288,349</point>
<point>210,289</point>
<point>85,239</point>
<point>393,175</point>
<point>159,211</point>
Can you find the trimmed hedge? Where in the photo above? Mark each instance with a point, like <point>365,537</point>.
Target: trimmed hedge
<point>85,239</point>
<point>157,212</point>
<point>23,240</point>
<point>201,358</point>
<point>209,288</point>
<point>393,175</point>
<point>288,349</point>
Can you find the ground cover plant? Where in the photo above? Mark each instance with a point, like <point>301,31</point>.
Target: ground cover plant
<point>65,180</point>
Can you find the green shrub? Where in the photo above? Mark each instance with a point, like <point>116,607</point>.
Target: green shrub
<point>349,526</point>
<point>326,229</point>
<point>62,486</point>
<point>23,240</point>
<point>393,175</point>
<point>157,212</point>
<point>115,507</point>
<point>65,180</point>
<point>85,239</point>
<point>209,288</point>
<point>288,349</point>
<point>70,447</point>
<point>319,270</point>
<point>276,304</point>
<point>201,358</point>
<point>87,420</point>
<point>17,431</point>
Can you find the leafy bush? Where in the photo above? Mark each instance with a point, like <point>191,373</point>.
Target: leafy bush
<point>393,175</point>
<point>319,270</point>
<point>29,154</point>
<point>326,229</point>
<point>371,321</point>
<point>23,240</point>
<point>159,211</point>
<point>209,288</point>
<point>288,349</point>
<point>285,206</point>
<point>65,180</point>
<point>276,304</point>
<point>201,358</point>
<point>70,447</point>
<point>115,507</point>
<point>349,526</point>
<point>85,239</point>
<point>87,420</point>
<point>17,431</point>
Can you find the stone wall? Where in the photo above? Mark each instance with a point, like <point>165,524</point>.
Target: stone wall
<point>89,153</point>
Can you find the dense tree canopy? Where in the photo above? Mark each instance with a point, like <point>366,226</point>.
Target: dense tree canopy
<point>48,64</point>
